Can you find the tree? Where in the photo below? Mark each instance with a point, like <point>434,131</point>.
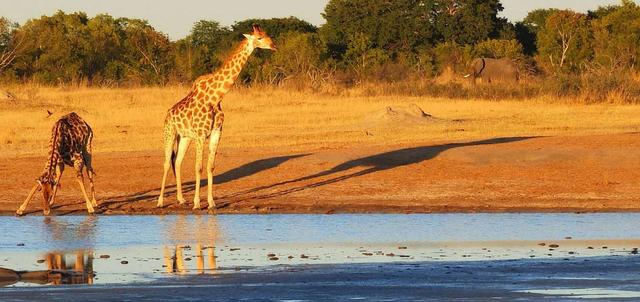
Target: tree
<point>55,48</point>
<point>390,25</point>
<point>208,42</point>
<point>616,40</point>
<point>274,26</point>
<point>469,21</point>
<point>564,43</point>
<point>498,49</point>
<point>362,56</point>
<point>299,56</point>
<point>527,29</point>
<point>103,48</point>
<point>11,42</point>
<point>147,52</point>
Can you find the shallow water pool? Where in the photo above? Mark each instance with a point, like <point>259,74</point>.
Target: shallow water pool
<point>121,249</point>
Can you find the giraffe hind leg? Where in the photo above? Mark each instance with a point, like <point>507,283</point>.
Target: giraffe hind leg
<point>199,152</point>
<point>182,150</point>
<point>57,184</point>
<point>78,164</point>
<point>213,147</point>
<point>88,157</point>
<point>170,137</point>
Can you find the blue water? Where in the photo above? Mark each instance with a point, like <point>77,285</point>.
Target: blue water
<point>73,232</point>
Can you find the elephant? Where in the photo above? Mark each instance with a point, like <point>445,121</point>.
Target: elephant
<point>493,70</point>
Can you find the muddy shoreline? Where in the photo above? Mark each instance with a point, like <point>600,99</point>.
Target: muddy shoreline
<point>526,280</point>
<point>597,173</point>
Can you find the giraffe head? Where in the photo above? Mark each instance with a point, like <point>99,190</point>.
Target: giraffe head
<point>46,183</point>
<point>259,39</point>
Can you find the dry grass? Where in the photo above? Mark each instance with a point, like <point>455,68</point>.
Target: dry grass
<point>286,121</point>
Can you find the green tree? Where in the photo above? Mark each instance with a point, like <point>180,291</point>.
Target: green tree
<point>11,42</point>
<point>274,26</point>
<point>469,21</point>
<point>55,48</point>
<point>527,29</point>
<point>103,47</point>
<point>616,40</point>
<point>362,56</point>
<point>208,42</point>
<point>299,56</point>
<point>147,53</point>
<point>392,26</point>
<point>453,56</point>
<point>564,43</point>
<point>498,49</point>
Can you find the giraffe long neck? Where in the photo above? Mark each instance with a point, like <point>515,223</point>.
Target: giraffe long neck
<point>54,154</point>
<point>233,66</point>
<point>217,84</point>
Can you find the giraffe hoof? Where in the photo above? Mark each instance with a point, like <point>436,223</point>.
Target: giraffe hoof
<point>19,213</point>
<point>46,213</point>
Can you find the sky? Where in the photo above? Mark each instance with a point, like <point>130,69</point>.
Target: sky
<point>176,17</point>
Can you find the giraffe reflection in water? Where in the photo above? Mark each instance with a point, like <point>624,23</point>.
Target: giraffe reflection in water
<point>61,268</point>
<point>201,232</point>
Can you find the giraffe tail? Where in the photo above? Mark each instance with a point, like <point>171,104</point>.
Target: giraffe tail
<point>174,153</point>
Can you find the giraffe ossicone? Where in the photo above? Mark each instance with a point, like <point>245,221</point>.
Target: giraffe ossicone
<point>198,117</point>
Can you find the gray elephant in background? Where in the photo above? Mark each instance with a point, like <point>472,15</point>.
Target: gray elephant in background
<point>493,70</point>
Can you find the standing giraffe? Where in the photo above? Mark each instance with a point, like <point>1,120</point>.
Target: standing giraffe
<point>199,116</point>
<point>70,144</point>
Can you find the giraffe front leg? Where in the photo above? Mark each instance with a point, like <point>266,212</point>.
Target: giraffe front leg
<point>23,207</point>
<point>213,148</point>
<point>182,150</point>
<point>199,152</point>
<point>59,171</point>
<point>80,179</point>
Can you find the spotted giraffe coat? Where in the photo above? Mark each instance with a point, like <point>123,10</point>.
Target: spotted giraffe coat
<point>70,144</point>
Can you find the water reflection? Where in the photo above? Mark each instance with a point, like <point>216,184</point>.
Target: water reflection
<point>143,248</point>
<point>175,261</point>
<point>81,234</point>
<point>62,268</point>
<point>197,235</point>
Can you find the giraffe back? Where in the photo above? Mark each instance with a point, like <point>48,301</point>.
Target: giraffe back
<point>70,138</point>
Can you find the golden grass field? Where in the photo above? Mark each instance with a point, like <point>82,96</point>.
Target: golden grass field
<point>286,151</point>
<point>273,119</point>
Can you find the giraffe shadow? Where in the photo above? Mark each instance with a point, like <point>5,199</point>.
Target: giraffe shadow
<point>370,164</point>
<point>245,170</point>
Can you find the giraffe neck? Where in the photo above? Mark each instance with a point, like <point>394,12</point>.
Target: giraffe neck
<point>234,64</point>
<point>225,77</point>
<point>48,175</point>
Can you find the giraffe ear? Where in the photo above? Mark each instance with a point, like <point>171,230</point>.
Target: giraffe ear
<point>247,36</point>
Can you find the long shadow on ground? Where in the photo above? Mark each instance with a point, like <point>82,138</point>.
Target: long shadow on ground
<point>245,170</point>
<point>372,164</point>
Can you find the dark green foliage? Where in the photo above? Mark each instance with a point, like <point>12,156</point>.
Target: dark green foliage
<point>469,21</point>
<point>362,41</point>
<point>564,42</point>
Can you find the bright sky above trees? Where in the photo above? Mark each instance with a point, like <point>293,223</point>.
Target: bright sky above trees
<point>176,18</point>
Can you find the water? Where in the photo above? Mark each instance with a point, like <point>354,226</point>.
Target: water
<point>124,249</point>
